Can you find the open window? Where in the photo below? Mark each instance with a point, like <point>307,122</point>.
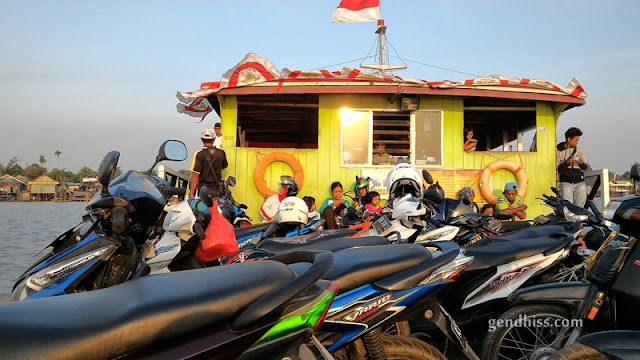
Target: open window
<point>278,121</point>
<point>377,138</point>
<point>500,125</point>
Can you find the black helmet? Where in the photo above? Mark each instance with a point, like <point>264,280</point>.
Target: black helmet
<point>435,193</point>
<point>288,183</point>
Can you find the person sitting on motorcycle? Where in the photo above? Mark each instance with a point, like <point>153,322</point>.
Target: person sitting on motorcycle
<point>270,206</point>
<point>334,206</point>
<point>511,203</point>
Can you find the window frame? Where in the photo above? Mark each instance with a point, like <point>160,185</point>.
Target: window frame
<point>412,137</point>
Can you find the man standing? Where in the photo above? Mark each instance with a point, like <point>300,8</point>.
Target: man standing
<point>207,165</point>
<point>511,203</point>
<point>217,142</point>
<point>571,163</point>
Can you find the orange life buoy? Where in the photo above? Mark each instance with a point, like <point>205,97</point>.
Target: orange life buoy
<point>288,159</point>
<point>485,179</point>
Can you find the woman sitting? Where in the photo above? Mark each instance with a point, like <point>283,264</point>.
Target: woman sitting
<point>335,206</point>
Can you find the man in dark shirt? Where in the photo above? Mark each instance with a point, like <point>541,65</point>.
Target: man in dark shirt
<point>571,164</point>
<point>207,165</point>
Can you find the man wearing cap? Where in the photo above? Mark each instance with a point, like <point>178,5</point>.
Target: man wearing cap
<point>217,142</point>
<point>207,165</point>
<point>511,203</point>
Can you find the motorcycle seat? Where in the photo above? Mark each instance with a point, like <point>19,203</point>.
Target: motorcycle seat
<point>137,314</point>
<point>358,266</point>
<point>528,233</point>
<point>492,255</point>
<point>338,244</point>
<point>510,226</point>
<point>255,228</point>
<point>280,244</point>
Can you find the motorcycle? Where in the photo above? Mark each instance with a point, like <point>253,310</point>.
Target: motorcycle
<point>260,310</point>
<point>105,249</point>
<point>595,305</point>
<point>606,345</point>
<point>230,208</point>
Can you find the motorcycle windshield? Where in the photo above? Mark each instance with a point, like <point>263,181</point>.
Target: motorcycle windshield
<point>134,185</point>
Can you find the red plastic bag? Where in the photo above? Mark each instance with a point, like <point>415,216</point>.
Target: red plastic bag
<point>220,240</point>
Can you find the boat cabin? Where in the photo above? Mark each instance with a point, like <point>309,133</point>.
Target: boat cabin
<point>322,126</point>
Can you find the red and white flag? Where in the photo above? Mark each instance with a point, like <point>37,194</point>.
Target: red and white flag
<point>357,11</point>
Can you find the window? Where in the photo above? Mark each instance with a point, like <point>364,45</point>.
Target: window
<point>278,121</point>
<point>376,138</point>
<point>500,125</point>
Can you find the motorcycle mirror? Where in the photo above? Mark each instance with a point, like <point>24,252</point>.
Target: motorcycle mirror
<point>173,150</point>
<point>502,215</point>
<point>427,177</point>
<point>635,173</point>
<point>205,196</point>
<point>231,181</point>
<point>107,170</point>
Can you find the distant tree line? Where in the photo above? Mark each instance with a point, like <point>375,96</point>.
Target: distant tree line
<point>33,171</point>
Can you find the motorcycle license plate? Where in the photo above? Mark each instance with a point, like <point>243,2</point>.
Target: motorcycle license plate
<point>382,224</point>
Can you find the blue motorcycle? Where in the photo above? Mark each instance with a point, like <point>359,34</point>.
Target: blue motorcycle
<point>107,247</point>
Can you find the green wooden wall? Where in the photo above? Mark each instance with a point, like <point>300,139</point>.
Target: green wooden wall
<point>322,166</point>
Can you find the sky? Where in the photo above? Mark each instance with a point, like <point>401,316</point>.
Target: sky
<point>88,77</point>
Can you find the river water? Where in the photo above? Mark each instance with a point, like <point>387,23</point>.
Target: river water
<point>27,227</point>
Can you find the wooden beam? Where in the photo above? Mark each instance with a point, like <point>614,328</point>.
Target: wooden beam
<point>499,108</point>
<point>276,104</point>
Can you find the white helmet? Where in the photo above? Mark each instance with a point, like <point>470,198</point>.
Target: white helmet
<point>404,179</point>
<point>292,210</point>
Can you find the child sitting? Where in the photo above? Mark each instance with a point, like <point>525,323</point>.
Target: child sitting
<point>373,203</point>
<point>311,204</point>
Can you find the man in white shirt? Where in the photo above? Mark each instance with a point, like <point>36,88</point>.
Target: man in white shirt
<point>217,142</point>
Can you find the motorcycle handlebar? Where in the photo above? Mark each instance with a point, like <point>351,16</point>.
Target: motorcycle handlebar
<point>199,231</point>
<point>179,191</point>
<point>265,306</point>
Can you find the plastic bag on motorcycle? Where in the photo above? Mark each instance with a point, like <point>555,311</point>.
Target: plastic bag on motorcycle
<point>220,240</point>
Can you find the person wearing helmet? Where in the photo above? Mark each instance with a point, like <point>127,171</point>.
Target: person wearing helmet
<point>404,179</point>
<point>361,189</point>
<point>207,165</point>
<point>270,206</point>
<point>466,196</point>
<point>511,203</point>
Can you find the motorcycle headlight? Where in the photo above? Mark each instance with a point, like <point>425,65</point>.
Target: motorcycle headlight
<point>573,217</point>
<point>52,273</point>
<point>610,210</point>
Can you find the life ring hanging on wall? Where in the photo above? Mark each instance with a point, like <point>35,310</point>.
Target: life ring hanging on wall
<point>485,179</point>
<point>288,159</point>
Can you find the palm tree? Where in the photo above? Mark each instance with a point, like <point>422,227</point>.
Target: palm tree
<point>57,154</point>
<point>42,162</point>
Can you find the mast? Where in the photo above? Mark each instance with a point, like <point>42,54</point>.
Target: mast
<point>382,67</point>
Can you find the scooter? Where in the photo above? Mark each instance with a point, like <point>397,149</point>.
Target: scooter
<point>606,301</point>
<point>606,345</point>
<point>260,310</point>
<point>104,249</point>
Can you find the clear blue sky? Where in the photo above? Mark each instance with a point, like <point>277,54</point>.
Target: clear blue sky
<point>87,77</point>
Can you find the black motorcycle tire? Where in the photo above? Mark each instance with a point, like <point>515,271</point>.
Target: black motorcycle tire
<point>493,340</point>
<point>578,352</point>
<point>408,348</point>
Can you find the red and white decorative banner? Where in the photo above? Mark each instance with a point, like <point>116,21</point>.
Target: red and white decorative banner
<point>357,11</point>
<point>197,108</point>
<point>255,70</point>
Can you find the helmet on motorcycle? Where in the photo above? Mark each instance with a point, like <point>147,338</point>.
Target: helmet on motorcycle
<point>288,183</point>
<point>404,179</point>
<point>362,182</point>
<point>292,210</point>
